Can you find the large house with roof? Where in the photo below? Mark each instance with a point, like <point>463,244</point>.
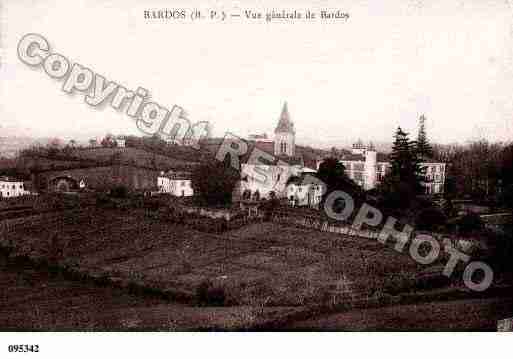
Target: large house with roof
<point>367,168</point>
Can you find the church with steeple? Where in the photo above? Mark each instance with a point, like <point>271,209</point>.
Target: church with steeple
<point>288,162</point>
<point>285,135</point>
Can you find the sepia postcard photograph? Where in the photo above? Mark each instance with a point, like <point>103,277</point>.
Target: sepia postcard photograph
<point>306,168</point>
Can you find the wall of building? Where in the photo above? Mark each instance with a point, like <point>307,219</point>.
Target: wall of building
<point>370,170</point>
<point>267,179</point>
<point>284,137</point>
<point>369,173</point>
<point>10,189</point>
<point>175,187</point>
<point>304,194</point>
<point>435,174</point>
<point>100,178</point>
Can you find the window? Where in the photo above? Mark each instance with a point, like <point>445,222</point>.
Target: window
<point>358,166</point>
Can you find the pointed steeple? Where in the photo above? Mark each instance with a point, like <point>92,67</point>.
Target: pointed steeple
<point>284,123</point>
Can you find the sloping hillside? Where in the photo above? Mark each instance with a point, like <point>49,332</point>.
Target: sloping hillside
<point>133,156</point>
<point>68,158</point>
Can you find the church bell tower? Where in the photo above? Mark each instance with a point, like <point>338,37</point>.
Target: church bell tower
<point>284,135</point>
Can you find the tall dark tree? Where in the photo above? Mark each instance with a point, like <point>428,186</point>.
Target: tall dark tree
<point>506,170</point>
<point>213,183</point>
<point>405,161</point>
<point>424,149</point>
<point>333,174</point>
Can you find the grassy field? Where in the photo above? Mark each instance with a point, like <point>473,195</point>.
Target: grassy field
<point>34,299</point>
<point>264,264</point>
<point>251,277</point>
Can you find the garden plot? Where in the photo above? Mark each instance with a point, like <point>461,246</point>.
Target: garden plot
<point>260,263</point>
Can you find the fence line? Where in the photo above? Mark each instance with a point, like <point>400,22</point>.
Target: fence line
<point>316,223</point>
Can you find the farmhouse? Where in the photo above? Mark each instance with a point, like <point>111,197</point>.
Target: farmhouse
<point>305,190</point>
<point>97,178</point>
<point>102,168</point>
<point>12,187</point>
<point>175,183</point>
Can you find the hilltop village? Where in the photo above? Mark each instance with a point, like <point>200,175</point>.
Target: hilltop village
<point>168,236</point>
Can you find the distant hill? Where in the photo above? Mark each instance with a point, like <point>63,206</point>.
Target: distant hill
<point>11,145</point>
<point>69,158</point>
<point>27,154</point>
<point>135,156</point>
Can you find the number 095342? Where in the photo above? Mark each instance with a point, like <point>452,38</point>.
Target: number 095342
<point>23,348</point>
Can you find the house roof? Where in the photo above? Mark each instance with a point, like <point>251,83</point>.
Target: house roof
<point>177,175</point>
<point>268,147</point>
<point>304,178</point>
<point>380,157</point>
<point>353,157</point>
<point>10,179</point>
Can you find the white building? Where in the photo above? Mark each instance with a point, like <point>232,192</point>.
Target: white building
<point>120,142</point>
<point>305,190</point>
<point>175,183</point>
<point>367,168</point>
<point>11,187</point>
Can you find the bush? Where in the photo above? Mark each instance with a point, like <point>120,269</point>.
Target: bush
<point>430,219</point>
<point>102,200</point>
<point>506,198</point>
<point>119,192</point>
<point>397,195</point>
<point>208,294</point>
<point>470,223</point>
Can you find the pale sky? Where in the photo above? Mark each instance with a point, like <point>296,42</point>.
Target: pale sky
<point>389,63</point>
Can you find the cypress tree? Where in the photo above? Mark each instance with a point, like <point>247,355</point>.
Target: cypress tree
<point>405,161</point>
<point>423,147</point>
